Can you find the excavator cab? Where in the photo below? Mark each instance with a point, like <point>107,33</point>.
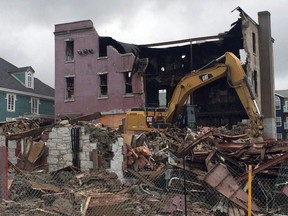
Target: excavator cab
<point>189,117</point>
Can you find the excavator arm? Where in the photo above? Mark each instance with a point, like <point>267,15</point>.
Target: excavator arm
<point>236,78</point>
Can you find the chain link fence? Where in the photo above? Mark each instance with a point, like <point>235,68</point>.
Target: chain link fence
<point>173,192</point>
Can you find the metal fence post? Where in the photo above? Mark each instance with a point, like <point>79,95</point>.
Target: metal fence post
<point>3,173</point>
<point>185,189</point>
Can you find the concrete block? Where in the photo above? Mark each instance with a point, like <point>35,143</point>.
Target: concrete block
<point>67,157</point>
<point>86,165</point>
<point>53,134</point>
<point>52,160</point>
<point>61,146</point>
<point>63,132</point>
<point>53,152</point>
<point>66,139</point>
<point>12,144</point>
<point>116,162</point>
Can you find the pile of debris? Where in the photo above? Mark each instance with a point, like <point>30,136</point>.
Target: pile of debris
<point>20,125</point>
<point>212,155</point>
<point>71,192</point>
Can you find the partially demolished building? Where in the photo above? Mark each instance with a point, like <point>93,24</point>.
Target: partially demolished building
<point>95,73</point>
<point>81,167</point>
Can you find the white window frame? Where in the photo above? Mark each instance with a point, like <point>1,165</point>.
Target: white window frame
<point>277,103</point>
<point>279,136</point>
<point>278,121</point>
<point>11,99</point>
<point>35,105</point>
<point>29,80</point>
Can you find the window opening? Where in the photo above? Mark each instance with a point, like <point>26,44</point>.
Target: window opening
<point>254,42</point>
<point>162,97</point>
<point>29,80</point>
<point>128,82</point>
<point>278,121</point>
<point>277,103</point>
<point>11,102</point>
<point>35,105</point>
<point>255,82</point>
<point>69,88</point>
<point>103,85</point>
<point>279,136</point>
<point>69,50</point>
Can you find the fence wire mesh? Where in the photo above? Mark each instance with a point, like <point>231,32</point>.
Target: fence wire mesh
<point>173,192</point>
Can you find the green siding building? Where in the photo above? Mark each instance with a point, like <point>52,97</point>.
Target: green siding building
<point>21,94</point>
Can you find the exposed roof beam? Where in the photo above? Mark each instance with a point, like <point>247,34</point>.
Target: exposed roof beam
<point>189,40</point>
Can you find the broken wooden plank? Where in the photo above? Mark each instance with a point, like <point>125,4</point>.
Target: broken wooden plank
<point>184,150</point>
<point>140,177</point>
<point>89,117</point>
<point>35,151</point>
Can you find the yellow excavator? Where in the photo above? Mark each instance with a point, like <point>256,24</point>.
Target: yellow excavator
<point>145,119</point>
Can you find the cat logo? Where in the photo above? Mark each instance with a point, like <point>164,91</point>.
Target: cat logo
<point>205,77</point>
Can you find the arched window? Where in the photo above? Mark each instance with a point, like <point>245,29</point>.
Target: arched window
<point>29,80</point>
<point>277,103</point>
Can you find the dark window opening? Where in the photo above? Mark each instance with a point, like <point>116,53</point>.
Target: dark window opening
<point>254,42</point>
<point>128,82</point>
<point>69,88</point>
<point>69,50</point>
<point>255,83</point>
<point>103,85</point>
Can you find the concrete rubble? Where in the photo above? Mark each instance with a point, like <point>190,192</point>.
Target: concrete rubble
<point>161,169</point>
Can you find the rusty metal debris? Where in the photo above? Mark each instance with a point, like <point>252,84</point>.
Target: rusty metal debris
<point>207,151</point>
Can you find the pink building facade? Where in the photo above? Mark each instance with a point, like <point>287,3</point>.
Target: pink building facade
<point>90,78</point>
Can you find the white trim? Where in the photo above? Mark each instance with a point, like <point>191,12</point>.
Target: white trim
<point>14,102</point>
<point>277,103</point>
<point>102,73</point>
<point>25,93</point>
<point>37,104</point>
<point>278,121</point>
<point>28,75</point>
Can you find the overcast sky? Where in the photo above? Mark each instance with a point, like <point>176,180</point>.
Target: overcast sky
<point>27,26</point>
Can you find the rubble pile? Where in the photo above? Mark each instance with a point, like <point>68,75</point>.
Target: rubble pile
<point>62,192</point>
<point>71,192</point>
<point>211,155</point>
<point>162,168</point>
<point>20,125</point>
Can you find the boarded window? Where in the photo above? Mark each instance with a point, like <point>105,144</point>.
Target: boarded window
<point>103,85</point>
<point>69,50</point>
<point>69,88</point>
<point>128,82</point>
